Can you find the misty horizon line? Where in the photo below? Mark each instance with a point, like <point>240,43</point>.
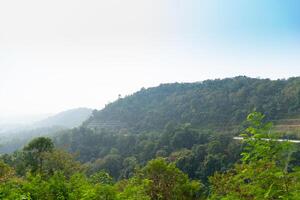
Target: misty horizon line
<point>46,114</point>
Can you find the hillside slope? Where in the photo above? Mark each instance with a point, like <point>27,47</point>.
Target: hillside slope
<point>191,124</point>
<point>218,102</point>
<point>13,139</point>
<point>67,119</point>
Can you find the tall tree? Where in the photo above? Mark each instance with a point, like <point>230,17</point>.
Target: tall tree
<point>34,152</point>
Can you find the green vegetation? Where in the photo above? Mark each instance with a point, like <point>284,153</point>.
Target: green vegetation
<point>174,141</point>
<point>265,171</point>
<point>199,153</point>
<point>53,174</point>
<point>211,103</point>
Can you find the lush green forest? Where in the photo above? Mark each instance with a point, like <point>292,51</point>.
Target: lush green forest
<point>170,142</point>
<point>211,103</point>
<point>267,169</point>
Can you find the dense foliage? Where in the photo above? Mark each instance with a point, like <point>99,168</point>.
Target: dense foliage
<point>265,171</point>
<point>209,103</point>
<point>53,174</point>
<point>174,141</point>
<point>199,153</point>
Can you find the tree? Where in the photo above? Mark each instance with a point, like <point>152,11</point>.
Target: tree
<point>264,171</point>
<point>166,182</point>
<point>129,166</point>
<point>184,137</point>
<point>111,163</point>
<point>101,178</point>
<point>6,172</point>
<point>34,152</point>
<point>59,160</point>
<point>133,189</point>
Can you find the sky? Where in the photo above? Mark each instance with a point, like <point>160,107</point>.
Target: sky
<point>62,54</point>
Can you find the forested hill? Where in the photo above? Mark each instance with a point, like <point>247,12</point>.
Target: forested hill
<point>208,103</point>
<point>181,161</point>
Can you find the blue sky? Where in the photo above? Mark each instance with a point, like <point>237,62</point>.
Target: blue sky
<point>52,51</point>
<point>267,19</point>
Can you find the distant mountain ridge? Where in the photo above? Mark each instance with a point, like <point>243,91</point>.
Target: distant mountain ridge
<point>66,119</point>
<point>13,138</point>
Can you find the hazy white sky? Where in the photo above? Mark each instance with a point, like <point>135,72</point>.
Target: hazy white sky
<point>61,54</point>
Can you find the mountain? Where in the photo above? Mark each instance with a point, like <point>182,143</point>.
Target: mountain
<point>21,119</point>
<point>211,103</point>
<point>66,119</point>
<point>9,124</point>
<point>14,137</point>
<point>189,124</point>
